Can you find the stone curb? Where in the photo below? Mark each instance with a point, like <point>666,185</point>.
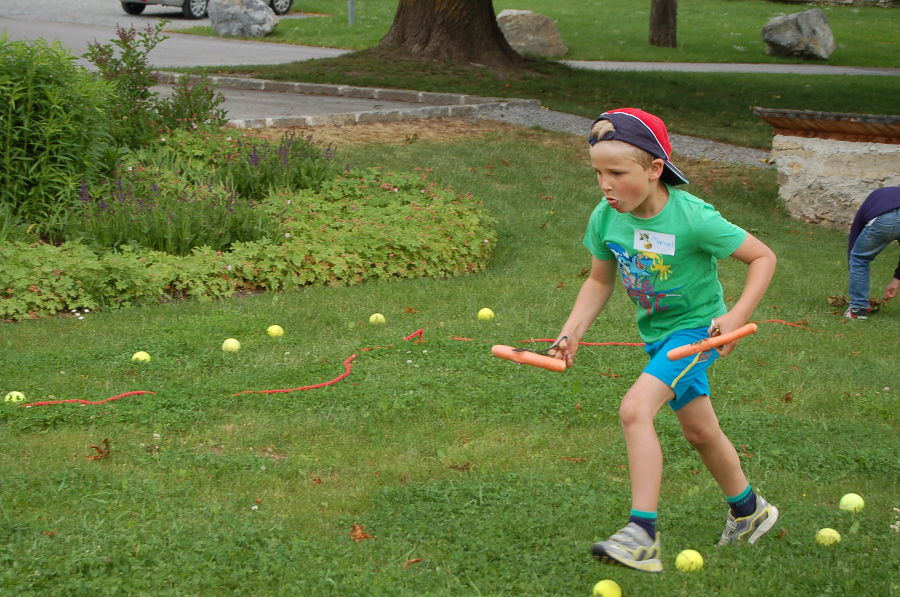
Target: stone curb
<point>436,105</point>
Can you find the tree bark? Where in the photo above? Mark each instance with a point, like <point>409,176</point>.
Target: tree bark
<point>664,23</point>
<point>457,31</point>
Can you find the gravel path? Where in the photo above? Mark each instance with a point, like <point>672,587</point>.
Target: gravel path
<point>692,147</point>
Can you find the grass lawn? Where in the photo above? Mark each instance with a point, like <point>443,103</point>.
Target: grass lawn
<point>466,475</point>
<point>708,30</point>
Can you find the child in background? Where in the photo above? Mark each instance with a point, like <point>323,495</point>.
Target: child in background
<point>875,226</point>
<point>664,243</point>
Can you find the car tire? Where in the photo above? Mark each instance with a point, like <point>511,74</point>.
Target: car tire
<point>194,9</point>
<point>281,7</point>
<point>133,8</point>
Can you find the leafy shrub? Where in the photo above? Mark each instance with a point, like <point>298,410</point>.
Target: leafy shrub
<point>250,166</point>
<point>364,225</point>
<point>139,113</point>
<point>53,132</point>
<point>158,210</point>
<point>192,105</point>
<point>123,62</point>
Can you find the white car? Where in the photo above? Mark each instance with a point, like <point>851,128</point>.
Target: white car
<point>194,9</point>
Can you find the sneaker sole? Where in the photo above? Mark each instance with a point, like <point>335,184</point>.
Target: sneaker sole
<point>766,526</point>
<point>653,565</point>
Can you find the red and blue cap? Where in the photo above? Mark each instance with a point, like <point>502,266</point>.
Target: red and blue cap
<point>646,131</point>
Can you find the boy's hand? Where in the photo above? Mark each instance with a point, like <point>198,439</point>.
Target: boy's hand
<point>724,325</point>
<point>560,350</point>
<point>890,291</point>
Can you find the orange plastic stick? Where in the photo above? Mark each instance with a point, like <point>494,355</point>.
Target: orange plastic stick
<point>527,358</point>
<point>711,342</point>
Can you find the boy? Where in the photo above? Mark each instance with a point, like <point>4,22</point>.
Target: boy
<point>665,243</point>
<point>875,226</point>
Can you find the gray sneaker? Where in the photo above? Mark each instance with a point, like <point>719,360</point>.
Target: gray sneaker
<point>752,527</point>
<point>631,547</point>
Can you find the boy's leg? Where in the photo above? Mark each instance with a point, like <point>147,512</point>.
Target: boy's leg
<point>633,545</point>
<point>645,460</point>
<point>877,235</point>
<point>701,428</point>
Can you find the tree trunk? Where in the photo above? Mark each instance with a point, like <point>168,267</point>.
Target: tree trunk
<point>457,31</point>
<point>663,23</point>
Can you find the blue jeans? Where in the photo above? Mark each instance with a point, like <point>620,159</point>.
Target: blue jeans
<point>877,234</point>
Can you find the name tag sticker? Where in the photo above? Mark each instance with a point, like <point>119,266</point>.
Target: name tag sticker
<point>654,242</point>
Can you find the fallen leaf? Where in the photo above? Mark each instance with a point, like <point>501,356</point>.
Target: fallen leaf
<point>744,451</point>
<point>358,533</point>
<point>789,397</point>
<point>465,467</point>
<point>838,301</point>
<point>103,452</point>
<point>410,310</point>
<point>574,458</point>
<point>409,563</point>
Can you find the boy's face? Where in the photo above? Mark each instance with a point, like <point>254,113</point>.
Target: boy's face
<point>625,183</point>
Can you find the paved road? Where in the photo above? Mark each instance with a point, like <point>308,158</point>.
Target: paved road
<point>76,23</point>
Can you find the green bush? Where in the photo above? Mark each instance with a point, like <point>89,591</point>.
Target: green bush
<point>140,115</point>
<point>54,132</point>
<point>363,225</point>
<point>159,210</point>
<point>250,166</point>
<point>193,104</point>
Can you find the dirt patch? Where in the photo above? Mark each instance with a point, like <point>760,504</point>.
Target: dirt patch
<point>405,131</point>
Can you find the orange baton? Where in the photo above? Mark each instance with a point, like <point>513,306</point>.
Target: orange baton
<point>712,342</point>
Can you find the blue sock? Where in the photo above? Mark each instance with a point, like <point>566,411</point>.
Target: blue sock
<point>645,520</point>
<point>743,504</point>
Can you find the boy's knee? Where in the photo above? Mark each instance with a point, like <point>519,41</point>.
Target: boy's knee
<point>632,412</point>
<point>700,436</point>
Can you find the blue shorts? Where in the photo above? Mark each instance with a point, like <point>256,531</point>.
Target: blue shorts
<point>687,376</point>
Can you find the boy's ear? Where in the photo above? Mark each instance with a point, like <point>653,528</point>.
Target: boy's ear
<point>656,169</point>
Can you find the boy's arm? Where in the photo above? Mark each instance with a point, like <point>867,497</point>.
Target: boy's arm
<point>760,262</point>
<point>594,293</point>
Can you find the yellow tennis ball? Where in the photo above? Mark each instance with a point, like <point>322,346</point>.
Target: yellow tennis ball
<point>485,314</point>
<point>852,502</point>
<point>231,345</point>
<point>141,357</point>
<point>276,331</point>
<point>14,397</point>
<point>607,588</point>
<point>689,560</point>
<point>828,536</point>
<point>376,319</point>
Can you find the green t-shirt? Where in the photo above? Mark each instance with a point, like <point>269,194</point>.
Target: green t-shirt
<point>668,262</point>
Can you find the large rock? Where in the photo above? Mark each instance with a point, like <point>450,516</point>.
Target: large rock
<point>803,34</point>
<point>241,18</point>
<point>530,33</point>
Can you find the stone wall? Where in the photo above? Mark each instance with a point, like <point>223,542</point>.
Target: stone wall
<point>823,181</point>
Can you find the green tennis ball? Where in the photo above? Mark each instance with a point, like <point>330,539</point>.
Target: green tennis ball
<point>141,357</point>
<point>485,314</point>
<point>828,536</point>
<point>14,397</point>
<point>376,319</point>
<point>276,331</point>
<point>852,502</point>
<point>689,560</point>
<point>607,588</point>
<point>231,345</point>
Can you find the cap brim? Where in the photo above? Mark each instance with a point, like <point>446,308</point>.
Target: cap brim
<point>672,175</point>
